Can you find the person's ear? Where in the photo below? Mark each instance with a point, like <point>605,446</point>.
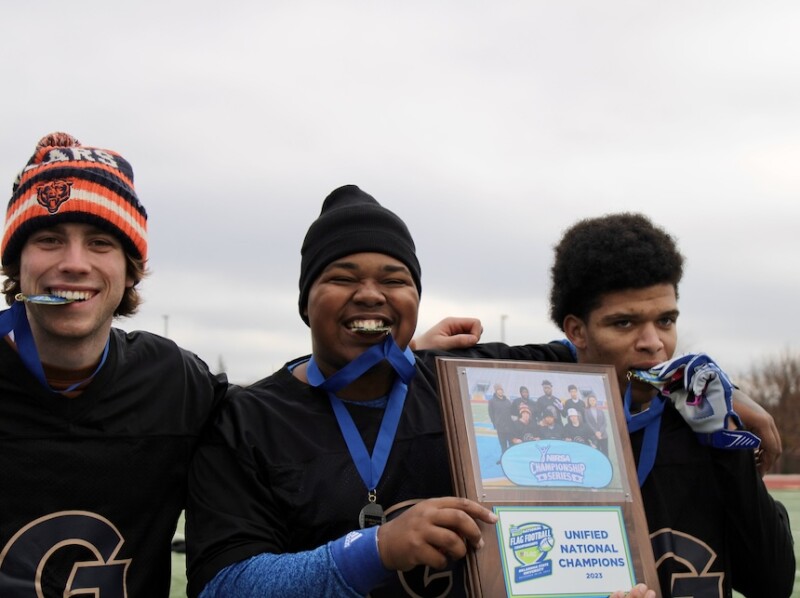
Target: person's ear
<point>575,329</point>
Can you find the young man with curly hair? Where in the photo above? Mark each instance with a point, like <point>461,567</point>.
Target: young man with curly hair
<point>713,525</point>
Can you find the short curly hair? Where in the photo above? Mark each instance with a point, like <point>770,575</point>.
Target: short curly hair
<point>607,254</point>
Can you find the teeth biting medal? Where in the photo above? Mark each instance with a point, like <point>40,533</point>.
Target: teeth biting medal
<point>373,326</point>
<point>43,299</point>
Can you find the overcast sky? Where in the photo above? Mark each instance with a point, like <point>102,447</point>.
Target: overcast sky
<point>488,126</point>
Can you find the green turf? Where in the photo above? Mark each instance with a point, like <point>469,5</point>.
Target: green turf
<point>178,588</point>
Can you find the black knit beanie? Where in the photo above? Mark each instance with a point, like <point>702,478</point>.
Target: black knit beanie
<point>352,221</point>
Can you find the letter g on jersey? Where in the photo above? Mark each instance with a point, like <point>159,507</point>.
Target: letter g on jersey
<point>688,562</point>
<point>25,556</point>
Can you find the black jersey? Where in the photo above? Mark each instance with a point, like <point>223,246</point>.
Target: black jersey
<point>713,525</point>
<point>278,476</point>
<point>92,487</point>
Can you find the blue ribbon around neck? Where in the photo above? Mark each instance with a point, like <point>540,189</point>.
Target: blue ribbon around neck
<point>370,468</point>
<point>650,420</point>
<point>16,319</point>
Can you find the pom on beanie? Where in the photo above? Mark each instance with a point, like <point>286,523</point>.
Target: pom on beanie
<point>65,181</point>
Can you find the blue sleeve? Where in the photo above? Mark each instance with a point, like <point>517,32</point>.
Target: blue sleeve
<point>349,566</point>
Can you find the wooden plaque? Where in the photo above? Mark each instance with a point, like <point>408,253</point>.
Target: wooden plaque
<point>571,520</point>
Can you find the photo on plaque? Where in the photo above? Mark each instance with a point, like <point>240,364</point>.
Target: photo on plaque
<point>555,437</point>
<point>545,446</point>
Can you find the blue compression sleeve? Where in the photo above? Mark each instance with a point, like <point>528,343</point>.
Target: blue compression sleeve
<point>357,558</point>
<point>352,572</point>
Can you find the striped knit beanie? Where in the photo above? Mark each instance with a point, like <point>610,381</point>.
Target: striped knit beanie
<point>65,181</point>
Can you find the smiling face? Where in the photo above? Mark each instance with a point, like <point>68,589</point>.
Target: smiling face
<point>630,329</point>
<point>76,261</point>
<point>354,302</point>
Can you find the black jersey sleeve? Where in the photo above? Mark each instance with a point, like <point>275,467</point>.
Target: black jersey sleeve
<point>553,351</point>
<point>760,538</point>
<point>227,519</point>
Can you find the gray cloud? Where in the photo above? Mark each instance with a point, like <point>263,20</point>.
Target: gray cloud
<point>488,127</point>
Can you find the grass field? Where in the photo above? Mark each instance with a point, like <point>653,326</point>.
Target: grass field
<point>178,587</point>
<point>790,498</point>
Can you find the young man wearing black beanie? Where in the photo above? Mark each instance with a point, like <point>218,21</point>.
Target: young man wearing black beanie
<point>330,478</point>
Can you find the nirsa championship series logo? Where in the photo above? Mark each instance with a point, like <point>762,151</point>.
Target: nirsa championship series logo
<point>531,543</point>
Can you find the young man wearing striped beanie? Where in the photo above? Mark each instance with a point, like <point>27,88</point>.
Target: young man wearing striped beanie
<point>97,425</point>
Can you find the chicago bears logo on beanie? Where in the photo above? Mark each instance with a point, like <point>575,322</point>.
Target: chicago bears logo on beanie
<point>352,221</point>
<point>65,181</point>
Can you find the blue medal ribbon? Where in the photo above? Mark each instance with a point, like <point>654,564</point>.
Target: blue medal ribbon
<point>370,468</point>
<point>650,420</point>
<point>16,319</point>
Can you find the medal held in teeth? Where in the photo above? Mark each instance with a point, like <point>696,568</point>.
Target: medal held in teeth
<point>371,326</point>
<point>43,299</point>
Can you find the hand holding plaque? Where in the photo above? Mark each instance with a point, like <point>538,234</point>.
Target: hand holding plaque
<point>432,532</point>
<point>554,471</point>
